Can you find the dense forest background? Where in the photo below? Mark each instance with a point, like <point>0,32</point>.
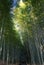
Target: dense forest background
<point>22,31</point>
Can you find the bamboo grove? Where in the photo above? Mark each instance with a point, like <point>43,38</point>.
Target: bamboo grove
<point>22,31</point>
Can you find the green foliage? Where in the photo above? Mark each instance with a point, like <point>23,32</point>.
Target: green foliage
<point>25,25</point>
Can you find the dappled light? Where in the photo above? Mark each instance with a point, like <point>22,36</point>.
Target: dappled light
<point>22,32</point>
<point>22,4</point>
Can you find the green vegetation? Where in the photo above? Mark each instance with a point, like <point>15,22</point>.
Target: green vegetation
<point>22,33</point>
